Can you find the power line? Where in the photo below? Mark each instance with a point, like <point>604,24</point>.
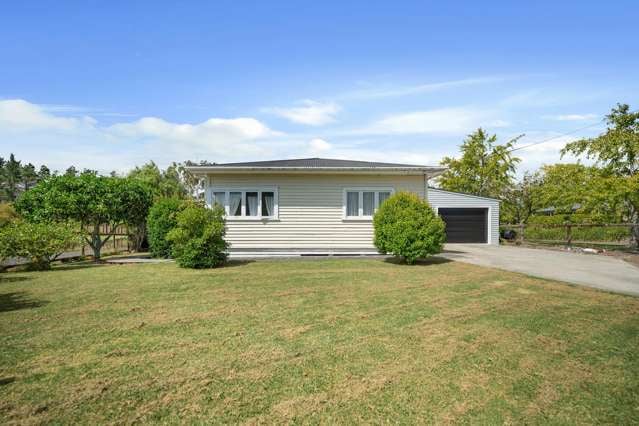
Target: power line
<point>557,137</point>
<point>566,134</point>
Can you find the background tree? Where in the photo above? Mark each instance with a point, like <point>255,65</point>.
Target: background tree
<point>164,184</point>
<point>43,173</point>
<point>521,200</point>
<point>484,168</point>
<point>616,151</point>
<point>91,201</point>
<point>12,177</point>
<point>29,176</point>
<point>71,171</point>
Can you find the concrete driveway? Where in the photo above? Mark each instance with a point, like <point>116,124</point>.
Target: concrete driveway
<point>603,272</point>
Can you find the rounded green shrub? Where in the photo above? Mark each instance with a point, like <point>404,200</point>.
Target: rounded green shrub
<point>406,227</point>
<point>198,237</point>
<point>162,219</point>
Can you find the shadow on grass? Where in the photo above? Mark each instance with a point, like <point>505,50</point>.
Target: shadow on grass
<point>237,262</point>
<point>10,278</point>
<point>433,260</point>
<point>7,380</point>
<point>18,300</point>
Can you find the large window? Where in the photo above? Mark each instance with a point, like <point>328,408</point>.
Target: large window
<point>363,203</point>
<point>248,203</point>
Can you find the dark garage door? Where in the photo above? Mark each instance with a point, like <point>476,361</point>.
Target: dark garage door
<point>465,225</point>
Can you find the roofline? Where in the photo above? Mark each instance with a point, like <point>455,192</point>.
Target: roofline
<point>465,194</point>
<point>411,170</point>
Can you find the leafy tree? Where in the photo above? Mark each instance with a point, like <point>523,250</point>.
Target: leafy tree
<point>41,242</point>
<point>89,200</point>
<point>198,238</point>
<point>616,151</point>
<point>521,200</point>
<point>161,220</point>
<point>484,169</point>
<point>12,177</point>
<point>164,184</point>
<point>407,227</point>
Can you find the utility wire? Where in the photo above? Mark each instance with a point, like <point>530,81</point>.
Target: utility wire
<point>557,137</point>
<point>566,134</point>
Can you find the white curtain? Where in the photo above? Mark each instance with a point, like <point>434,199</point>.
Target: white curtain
<point>235,203</point>
<point>268,204</point>
<point>383,196</point>
<point>251,203</point>
<point>368,201</point>
<point>352,204</point>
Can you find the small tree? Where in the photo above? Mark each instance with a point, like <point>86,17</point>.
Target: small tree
<point>407,227</point>
<point>198,239</point>
<point>484,168</point>
<point>41,243</point>
<point>91,201</point>
<point>162,219</point>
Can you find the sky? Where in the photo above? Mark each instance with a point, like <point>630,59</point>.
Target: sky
<point>110,85</point>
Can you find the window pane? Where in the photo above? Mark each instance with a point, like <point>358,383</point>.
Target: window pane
<point>352,204</point>
<point>383,196</point>
<point>251,203</point>
<point>235,203</point>
<point>268,204</point>
<point>368,202</point>
<point>219,198</point>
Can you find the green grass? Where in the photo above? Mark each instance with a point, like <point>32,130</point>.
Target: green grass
<point>344,340</point>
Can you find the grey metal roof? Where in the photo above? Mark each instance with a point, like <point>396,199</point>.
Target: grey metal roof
<point>314,163</point>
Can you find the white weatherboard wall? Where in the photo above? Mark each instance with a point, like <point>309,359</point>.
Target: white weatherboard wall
<point>442,199</point>
<point>310,210</point>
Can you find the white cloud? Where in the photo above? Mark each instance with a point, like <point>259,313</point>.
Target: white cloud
<point>212,130</point>
<point>19,115</point>
<point>573,117</point>
<point>533,157</point>
<point>308,112</point>
<point>318,146</point>
<point>435,121</point>
<point>41,136</point>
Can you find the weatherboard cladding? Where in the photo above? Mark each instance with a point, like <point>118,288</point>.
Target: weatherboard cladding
<point>310,209</point>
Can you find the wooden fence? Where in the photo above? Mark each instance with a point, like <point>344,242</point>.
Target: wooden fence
<point>120,240</point>
<point>608,234</point>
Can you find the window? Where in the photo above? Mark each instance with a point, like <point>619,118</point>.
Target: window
<point>247,204</point>
<point>362,204</point>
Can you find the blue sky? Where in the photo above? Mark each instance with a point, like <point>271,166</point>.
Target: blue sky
<point>109,85</point>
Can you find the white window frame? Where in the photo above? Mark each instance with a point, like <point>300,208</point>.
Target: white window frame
<point>244,190</point>
<point>361,191</point>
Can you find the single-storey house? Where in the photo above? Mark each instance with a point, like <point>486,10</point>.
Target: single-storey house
<point>318,205</point>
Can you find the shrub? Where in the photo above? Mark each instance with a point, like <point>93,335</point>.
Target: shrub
<point>7,214</point>
<point>162,218</point>
<point>40,243</point>
<point>407,227</point>
<point>198,238</point>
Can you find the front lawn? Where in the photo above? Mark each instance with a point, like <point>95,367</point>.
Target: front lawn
<point>344,340</point>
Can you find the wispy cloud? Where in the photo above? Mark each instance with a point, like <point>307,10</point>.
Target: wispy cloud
<point>308,112</point>
<point>398,91</point>
<point>572,117</point>
<point>458,120</point>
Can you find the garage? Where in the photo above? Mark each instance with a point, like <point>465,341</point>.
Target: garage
<point>465,225</point>
<point>469,218</point>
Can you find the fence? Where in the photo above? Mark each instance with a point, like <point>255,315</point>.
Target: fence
<point>609,234</point>
<point>120,239</point>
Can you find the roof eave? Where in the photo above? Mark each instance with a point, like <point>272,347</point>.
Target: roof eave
<point>430,171</point>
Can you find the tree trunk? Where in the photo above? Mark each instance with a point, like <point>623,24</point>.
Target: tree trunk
<point>96,243</point>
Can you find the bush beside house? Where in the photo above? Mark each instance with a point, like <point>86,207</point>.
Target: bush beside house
<point>161,220</point>
<point>198,238</point>
<point>406,227</point>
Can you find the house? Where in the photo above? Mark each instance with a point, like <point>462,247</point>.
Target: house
<point>319,205</point>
